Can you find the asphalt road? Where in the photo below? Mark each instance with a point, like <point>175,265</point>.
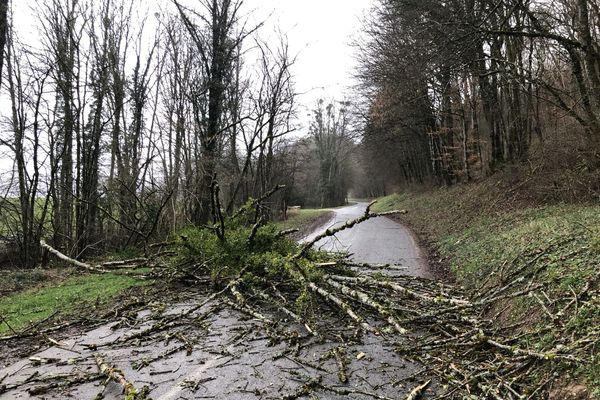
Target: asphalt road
<point>376,241</point>
<point>231,356</point>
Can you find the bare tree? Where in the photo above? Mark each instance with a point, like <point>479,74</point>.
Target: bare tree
<point>331,130</point>
<point>63,26</point>
<point>470,77</point>
<point>3,32</point>
<point>273,106</point>
<point>112,127</point>
<point>27,83</point>
<point>217,35</point>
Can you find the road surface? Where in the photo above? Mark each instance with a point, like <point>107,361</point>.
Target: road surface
<point>221,354</point>
<point>377,241</point>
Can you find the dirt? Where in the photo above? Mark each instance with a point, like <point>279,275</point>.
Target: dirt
<point>571,392</point>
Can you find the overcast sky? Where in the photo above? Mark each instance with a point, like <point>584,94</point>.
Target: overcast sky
<point>319,31</point>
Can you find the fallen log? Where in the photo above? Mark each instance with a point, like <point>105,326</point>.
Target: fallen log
<point>113,374</point>
<point>70,260</point>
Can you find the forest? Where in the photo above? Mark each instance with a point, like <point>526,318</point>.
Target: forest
<point>170,205</point>
<point>118,124</point>
<point>459,90</point>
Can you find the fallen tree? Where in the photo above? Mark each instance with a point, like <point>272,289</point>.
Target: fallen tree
<point>254,269</point>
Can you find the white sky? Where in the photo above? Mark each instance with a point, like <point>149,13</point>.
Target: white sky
<point>319,32</point>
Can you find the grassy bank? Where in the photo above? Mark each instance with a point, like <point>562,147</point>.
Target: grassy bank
<point>29,306</point>
<point>305,219</point>
<point>489,239</point>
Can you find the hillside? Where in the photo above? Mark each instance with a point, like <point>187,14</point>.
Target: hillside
<point>488,241</point>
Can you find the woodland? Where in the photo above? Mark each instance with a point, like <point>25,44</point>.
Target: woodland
<point>162,147</point>
<point>116,134</point>
<point>459,90</point>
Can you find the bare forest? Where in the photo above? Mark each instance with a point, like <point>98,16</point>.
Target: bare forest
<point>119,134</point>
<point>458,90</point>
<point>116,132</point>
<point>181,216</point>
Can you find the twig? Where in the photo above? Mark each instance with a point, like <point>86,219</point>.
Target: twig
<point>116,375</point>
<point>417,392</point>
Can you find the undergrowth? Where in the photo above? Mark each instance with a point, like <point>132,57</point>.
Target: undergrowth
<point>268,255</point>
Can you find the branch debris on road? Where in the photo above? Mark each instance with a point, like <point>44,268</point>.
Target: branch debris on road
<point>305,298</point>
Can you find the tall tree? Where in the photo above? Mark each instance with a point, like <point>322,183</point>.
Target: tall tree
<point>3,32</point>
<point>63,27</point>
<point>331,130</point>
<point>217,40</point>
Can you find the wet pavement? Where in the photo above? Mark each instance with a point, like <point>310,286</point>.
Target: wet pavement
<point>376,241</point>
<point>216,352</point>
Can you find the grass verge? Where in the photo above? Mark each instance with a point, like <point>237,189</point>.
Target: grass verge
<point>304,219</point>
<point>488,240</point>
<point>21,309</point>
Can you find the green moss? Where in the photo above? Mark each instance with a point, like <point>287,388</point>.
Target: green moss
<point>33,305</point>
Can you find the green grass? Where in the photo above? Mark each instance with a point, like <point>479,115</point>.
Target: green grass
<point>479,240</point>
<point>300,218</point>
<point>10,214</point>
<point>485,236</point>
<point>33,305</point>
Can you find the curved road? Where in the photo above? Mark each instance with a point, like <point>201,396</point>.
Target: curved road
<point>376,241</point>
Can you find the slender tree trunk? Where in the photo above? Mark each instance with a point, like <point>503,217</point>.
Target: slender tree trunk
<point>3,32</point>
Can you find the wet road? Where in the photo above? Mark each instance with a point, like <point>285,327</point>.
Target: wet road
<point>220,353</point>
<point>376,241</point>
